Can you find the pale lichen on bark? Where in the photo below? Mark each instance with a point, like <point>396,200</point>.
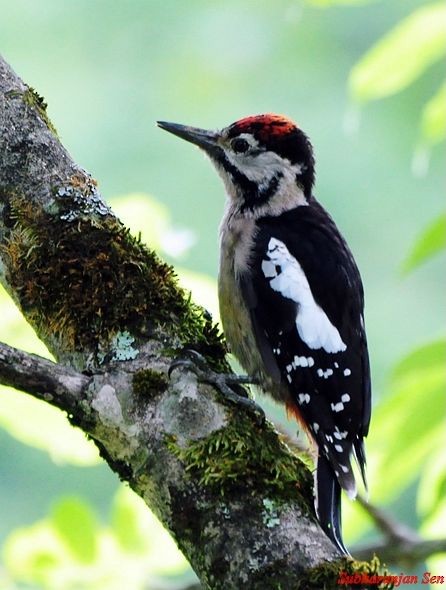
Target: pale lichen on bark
<point>107,306</point>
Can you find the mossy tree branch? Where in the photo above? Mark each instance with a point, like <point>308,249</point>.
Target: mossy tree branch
<point>235,499</point>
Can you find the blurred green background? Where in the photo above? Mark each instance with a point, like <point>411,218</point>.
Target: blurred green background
<point>363,79</point>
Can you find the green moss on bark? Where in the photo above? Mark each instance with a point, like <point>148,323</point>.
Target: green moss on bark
<point>329,576</point>
<point>81,277</point>
<point>244,455</point>
<point>37,102</point>
<point>148,383</point>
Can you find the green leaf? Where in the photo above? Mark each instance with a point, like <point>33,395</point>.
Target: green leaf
<point>32,421</point>
<point>409,423</point>
<point>128,521</point>
<point>431,242</point>
<point>37,424</point>
<point>402,55</point>
<point>15,330</point>
<point>32,554</point>
<point>355,521</point>
<point>432,488</point>
<point>430,356</point>
<point>138,531</point>
<point>433,118</point>
<point>76,525</point>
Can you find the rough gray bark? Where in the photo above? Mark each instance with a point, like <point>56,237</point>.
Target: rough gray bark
<point>235,499</point>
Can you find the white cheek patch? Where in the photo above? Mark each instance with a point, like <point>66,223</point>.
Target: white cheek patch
<point>288,279</point>
<point>262,167</point>
<point>259,167</point>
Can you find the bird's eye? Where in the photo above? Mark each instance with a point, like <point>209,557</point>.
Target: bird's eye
<point>240,145</point>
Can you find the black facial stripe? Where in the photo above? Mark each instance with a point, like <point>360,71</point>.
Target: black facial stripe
<point>268,191</point>
<point>263,195</point>
<point>249,188</point>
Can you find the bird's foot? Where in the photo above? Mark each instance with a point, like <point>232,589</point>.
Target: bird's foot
<point>224,382</point>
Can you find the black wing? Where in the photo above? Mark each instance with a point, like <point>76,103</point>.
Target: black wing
<point>319,349</point>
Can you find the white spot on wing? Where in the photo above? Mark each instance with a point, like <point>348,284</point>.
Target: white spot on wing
<point>337,407</point>
<point>304,398</point>
<point>337,435</point>
<point>347,372</point>
<point>315,427</point>
<point>312,323</point>
<point>345,398</point>
<point>325,374</point>
<point>268,269</point>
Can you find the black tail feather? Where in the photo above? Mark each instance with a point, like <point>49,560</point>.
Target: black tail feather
<point>328,503</point>
<point>359,451</point>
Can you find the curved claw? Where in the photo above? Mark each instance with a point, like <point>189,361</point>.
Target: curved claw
<point>247,403</point>
<point>182,363</point>
<point>192,360</point>
<point>197,358</point>
<point>199,366</point>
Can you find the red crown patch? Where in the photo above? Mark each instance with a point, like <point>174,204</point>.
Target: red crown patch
<point>264,126</point>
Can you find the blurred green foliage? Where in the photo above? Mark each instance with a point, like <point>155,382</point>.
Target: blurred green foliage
<point>46,428</point>
<point>108,71</point>
<point>402,55</point>
<point>71,549</point>
<point>410,422</point>
<point>431,241</point>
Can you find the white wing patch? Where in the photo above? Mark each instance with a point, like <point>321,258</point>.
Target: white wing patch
<point>288,278</point>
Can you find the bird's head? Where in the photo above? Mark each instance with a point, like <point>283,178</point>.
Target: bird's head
<point>262,159</point>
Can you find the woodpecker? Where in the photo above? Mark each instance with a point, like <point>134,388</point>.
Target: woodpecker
<point>291,296</point>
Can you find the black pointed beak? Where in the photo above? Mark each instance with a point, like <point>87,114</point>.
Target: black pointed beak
<point>206,140</point>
